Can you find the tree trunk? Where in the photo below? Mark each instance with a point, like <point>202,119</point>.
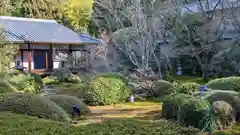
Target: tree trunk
<point>205,75</point>
<point>205,68</point>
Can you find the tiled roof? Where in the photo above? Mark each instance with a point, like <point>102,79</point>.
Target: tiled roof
<point>41,31</point>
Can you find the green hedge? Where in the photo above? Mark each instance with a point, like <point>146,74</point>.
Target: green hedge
<point>230,97</point>
<point>38,79</point>
<point>4,88</point>
<point>171,105</point>
<point>24,125</point>
<point>106,90</point>
<point>49,80</point>
<point>196,112</point>
<point>228,83</point>
<point>73,78</point>
<point>189,88</point>
<point>61,74</point>
<point>163,88</point>
<point>66,102</point>
<point>32,105</point>
<point>23,82</point>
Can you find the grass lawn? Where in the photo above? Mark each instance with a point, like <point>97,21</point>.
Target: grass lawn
<point>127,115</point>
<point>67,89</point>
<point>234,131</point>
<point>14,124</point>
<point>144,110</point>
<point>138,118</point>
<point>186,79</point>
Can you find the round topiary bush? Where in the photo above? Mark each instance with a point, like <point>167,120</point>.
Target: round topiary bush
<point>189,88</point>
<point>38,79</point>
<point>228,83</point>
<point>163,88</point>
<point>50,80</point>
<point>230,97</point>
<point>23,82</point>
<point>224,115</point>
<point>73,78</point>
<point>61,74</point>
<point>32,105</point>
<point>106,90</point>
<point>4,88</point>
<point>196,112</point>
<point>67,102</point>
<point>171,105</point>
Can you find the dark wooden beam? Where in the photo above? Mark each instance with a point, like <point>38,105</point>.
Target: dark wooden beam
<point>29,58</point>
<point>70,48</point>
<point>50,57</point>
<point>46,54</point>
<point>57,49</point>
<point>22,57</point>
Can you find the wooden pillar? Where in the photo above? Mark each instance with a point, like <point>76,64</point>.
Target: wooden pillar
<point>22,57</point>
<point>71,55</point>
<point>89,59</point>
<point>29,58</point>
<point>50,58</point>
<point>46,57</point>
<point>70,49</point>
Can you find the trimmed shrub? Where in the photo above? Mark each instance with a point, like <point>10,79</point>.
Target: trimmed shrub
<point>12,124</point>
<point>22,82</point>
<point>228,83</point>
<point>38,79</point>
<point>163,88</point>
<point>224,115</point>
<point>188,88</point>
<point>65,75</point>
<point>62,74</point>
<point>4,88</point>
<point>106,90</point>
<point>73,78</point>
<point>31,87</point>
<point>49,80</point>
<point>196,112</point>
<point>172,103</point>
<point>32,105</point>
<point>230,97</point>
<point>67,102</point>
<point>111,75</point>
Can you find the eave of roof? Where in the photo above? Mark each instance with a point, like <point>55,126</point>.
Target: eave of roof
<point>28,30</point>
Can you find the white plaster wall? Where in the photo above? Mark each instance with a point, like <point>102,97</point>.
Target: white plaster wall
<point>25,60</point>
<point>56,64</point>
<point>25,64</point>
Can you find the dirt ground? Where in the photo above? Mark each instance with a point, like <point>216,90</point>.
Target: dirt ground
<point>137,110</point>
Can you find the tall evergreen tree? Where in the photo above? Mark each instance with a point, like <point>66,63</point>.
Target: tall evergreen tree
<point>16,4</point>
<point>7,52</point>
<point>77,14</point>
<point>41,9</point>
<point>5,7</point>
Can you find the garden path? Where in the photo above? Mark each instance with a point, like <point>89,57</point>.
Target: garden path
<point>144,110</point>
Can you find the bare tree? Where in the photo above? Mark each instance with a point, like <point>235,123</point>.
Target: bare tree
<point>199,29</point>
<point>140,39</point>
